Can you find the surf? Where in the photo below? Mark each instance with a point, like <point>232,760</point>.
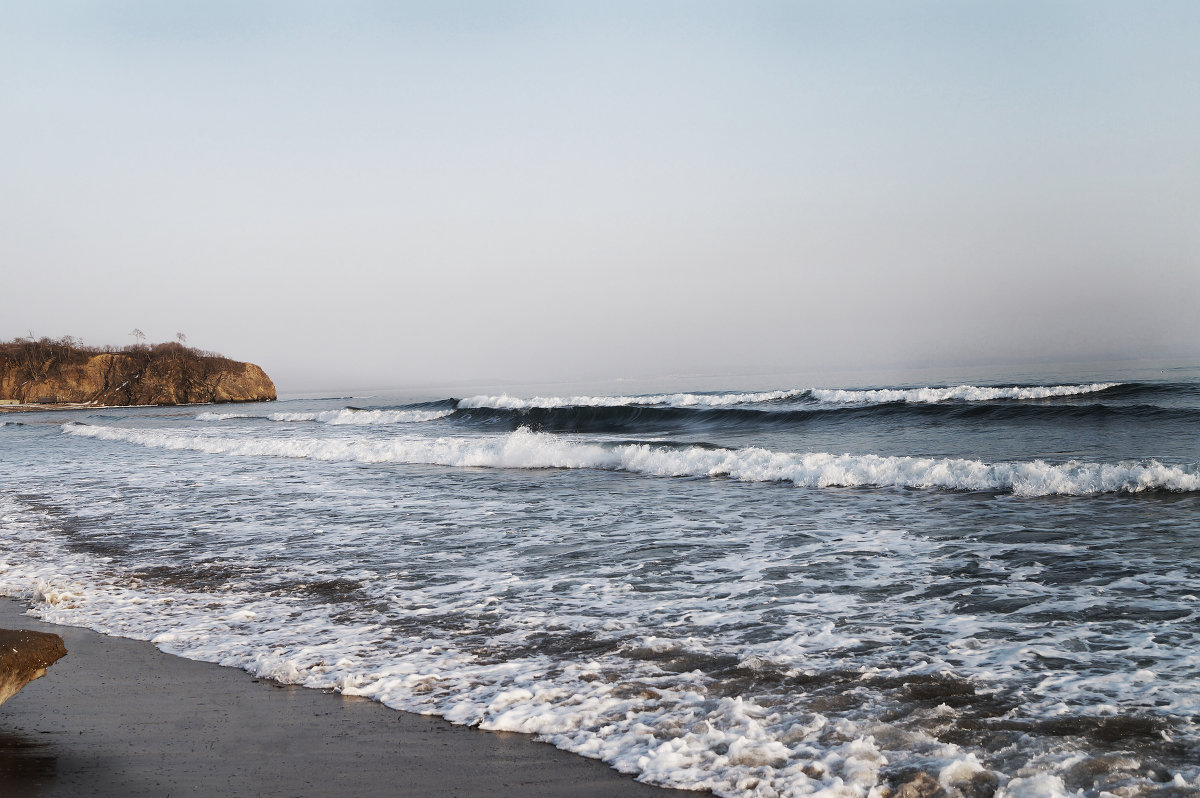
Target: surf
<point>527,449</point>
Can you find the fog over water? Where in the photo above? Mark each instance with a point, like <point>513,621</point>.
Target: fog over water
<point>407,194</point>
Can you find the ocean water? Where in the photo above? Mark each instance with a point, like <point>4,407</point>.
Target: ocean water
<point>790,591</point>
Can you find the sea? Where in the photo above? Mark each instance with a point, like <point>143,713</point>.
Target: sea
<point>988,587</point>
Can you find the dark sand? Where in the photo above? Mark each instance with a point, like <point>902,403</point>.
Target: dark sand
<point>118,717</point>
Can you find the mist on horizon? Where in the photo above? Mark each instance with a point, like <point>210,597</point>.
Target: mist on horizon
<point>408,195</point>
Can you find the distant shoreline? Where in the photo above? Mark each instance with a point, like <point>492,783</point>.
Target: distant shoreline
<point>38,408</point>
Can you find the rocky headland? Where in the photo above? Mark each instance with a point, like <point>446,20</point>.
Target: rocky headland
<point>50,372</point>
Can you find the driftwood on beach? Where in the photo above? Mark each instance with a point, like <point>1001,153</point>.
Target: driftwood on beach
<point>24,656</point>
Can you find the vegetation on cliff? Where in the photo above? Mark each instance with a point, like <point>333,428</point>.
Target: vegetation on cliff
<point>65,371</point>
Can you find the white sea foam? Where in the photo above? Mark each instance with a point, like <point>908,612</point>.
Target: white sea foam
<point>450,612</point>
<point>964,393</point>
<point>531,450</point>
<point>661,725</point>
<point>293,416</point>
<point>506,402</point>
<point>348,416</point>
<point>221,416</point>
<point>751,640</point>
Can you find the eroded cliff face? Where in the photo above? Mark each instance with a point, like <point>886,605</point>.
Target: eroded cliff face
<point>163,375</point>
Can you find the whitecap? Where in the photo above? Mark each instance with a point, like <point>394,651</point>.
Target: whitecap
<point>525,449</point>
<point>506,402</point>
<point>962,393</point>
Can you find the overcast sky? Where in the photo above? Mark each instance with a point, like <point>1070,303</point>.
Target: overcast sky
<point>402,193</point>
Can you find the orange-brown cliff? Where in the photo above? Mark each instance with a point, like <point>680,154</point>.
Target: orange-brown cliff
<point>49,371</point>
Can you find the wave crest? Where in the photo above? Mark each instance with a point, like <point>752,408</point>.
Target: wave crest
<point>962,393</point>
<point>506,402</point>
<point>531,450</point>
<point>349,415</point>
<point>927,395</point>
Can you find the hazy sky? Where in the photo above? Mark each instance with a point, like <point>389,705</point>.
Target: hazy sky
<point>401,193</point>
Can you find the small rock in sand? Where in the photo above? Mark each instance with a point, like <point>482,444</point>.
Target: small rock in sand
<point>24,656</point>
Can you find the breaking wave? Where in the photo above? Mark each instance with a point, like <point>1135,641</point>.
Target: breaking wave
<point>632,419</point>
<point>963,393</point>
<point>525,449</point>
<point>728,411</point>
<point>350,415</point>
<point>506,402</point>
<point>221,416</point>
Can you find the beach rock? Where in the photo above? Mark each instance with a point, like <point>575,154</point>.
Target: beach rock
<point>911,783</point>
<point>982,785</point>
<point>24,656</point>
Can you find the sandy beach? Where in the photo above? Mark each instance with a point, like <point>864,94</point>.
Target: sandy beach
<point>117,717</point>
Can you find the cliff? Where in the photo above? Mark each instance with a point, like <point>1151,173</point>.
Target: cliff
<point>49,371</point>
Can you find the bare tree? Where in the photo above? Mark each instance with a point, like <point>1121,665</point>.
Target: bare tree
<point>138,336</point>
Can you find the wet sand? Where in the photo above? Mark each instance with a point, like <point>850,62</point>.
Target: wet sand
<point>117,717</point>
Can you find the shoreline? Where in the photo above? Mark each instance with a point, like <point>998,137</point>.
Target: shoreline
<point>50,407</point>
<point>29,408</point>
<point>118,717</point>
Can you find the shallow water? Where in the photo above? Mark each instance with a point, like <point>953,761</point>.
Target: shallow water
<point>781,592</point>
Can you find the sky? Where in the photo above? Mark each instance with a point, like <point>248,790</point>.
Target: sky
<point>391,193</point>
